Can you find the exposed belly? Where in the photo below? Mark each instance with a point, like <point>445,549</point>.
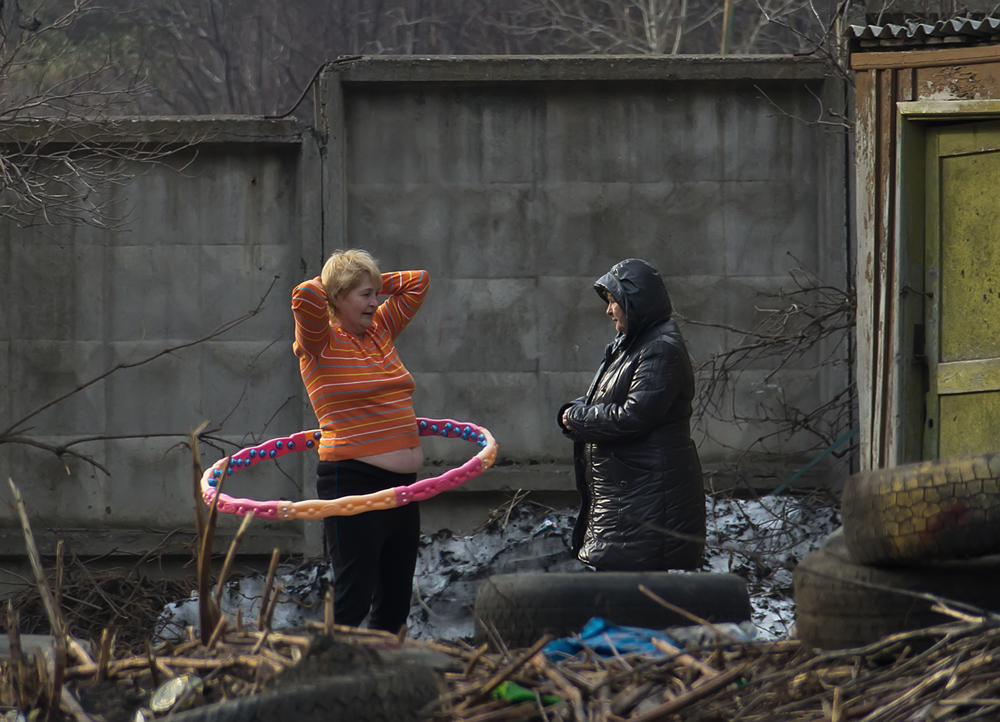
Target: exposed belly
<point>400,461</point>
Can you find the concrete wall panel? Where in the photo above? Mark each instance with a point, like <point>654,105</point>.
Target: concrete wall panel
<point>768,225</point>
<point>572,326</point>
<point>42,371</point>
<point>155,397</point>
<point>700,306</point>
<point>749,303</point>
<point>718,184</point>
<point>474,325</point>
<point>154,292</point>
<point>754,392</point>
<point>498,401</point>
<point>411,223</point>
<point>245,384</point>
<point>679,224</point>
<point>515,189</point>
<point>235,280</point>
<point>238,195</point>
<point>633,133</point>
<point>56,291</point>
<point>770,132</point>
<point>381,149</point>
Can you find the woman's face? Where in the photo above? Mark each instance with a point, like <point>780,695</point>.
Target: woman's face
<point>617,313</point>
<point>355,309</point>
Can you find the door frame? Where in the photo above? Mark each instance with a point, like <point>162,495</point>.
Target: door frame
<point>910,383</point>
<point>952,377</point>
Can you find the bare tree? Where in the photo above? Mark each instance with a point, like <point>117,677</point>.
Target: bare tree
<point>55,166</point>
<point>236,56</point>
<point>662,26</point>
<point>219,56</point>
<point>806,328</point>
<point>599,26</point>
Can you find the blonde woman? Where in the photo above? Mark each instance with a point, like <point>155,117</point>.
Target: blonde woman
<point>363,398</point>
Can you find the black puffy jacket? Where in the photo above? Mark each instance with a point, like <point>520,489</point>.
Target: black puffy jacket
<point>637,468</point>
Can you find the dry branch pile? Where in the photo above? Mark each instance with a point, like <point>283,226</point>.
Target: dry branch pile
<point>124,597</point>
<point>956,676</point>
<point>945,673</point>
<point>950,672</point>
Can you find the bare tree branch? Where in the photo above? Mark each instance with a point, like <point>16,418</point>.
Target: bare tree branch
<point>808,328</point>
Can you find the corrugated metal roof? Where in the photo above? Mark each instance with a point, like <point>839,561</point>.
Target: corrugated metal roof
<point>955,30</point>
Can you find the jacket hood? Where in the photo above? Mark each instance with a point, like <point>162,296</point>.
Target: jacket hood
<point>638,288</point>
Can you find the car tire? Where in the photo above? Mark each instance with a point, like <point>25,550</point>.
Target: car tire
<point>842,604</point>
<point>395,693</point>
<point>942,509</point>
<point>522,608</point>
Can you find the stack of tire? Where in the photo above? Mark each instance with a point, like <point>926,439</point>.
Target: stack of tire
<point>911,535</point>
<point>520,609</point>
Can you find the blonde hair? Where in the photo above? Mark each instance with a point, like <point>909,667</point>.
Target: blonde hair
<point>345,270</point>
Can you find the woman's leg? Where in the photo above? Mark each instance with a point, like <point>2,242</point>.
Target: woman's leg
<point>397,561</point>
<point>354,556</point>
<point>353,541</point>
<point>364,547</point>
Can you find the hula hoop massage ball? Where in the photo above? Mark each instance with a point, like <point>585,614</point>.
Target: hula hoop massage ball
<point>349,505</point>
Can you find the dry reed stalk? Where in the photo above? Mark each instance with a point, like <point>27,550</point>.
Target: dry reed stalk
<point>265,600</point>
<point>220,586</point>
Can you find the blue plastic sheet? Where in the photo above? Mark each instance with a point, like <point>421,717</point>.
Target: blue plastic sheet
<point>607,639</point>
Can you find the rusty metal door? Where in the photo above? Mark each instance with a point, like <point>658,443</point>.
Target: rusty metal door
<point>962,286</point>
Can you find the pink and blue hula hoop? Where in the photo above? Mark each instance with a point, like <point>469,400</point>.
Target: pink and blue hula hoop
<point>349,505</point>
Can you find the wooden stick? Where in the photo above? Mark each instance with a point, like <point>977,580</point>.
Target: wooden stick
<point>684,613</point>
<point>14,635</point>
<point>70,704</point>
<point>475,659</point>
<point>217,633</point>
<point>272,605</point>
<point>293,640</point>
<point>153,669</point>
<point>837,710</point>
<point>260,642</point>
<point>104,654</point>
<point>689,698</point>
<point>504,673</point>
<point>166,664</point>
<point>78,650</point>
<point>58,676</point>
<point>265,600</point>
<point>48,600</point>
<point>208,611</point>
<point>328,612</point>
<point>512,713</point>
<point>196,474</point>
<point>276,658</point>
<point>683,658</point>
<point>631,696</point>
<point>220,585</point>
<point>57,593</point>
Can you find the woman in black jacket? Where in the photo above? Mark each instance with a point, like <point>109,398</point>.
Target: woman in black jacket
<point>637,468</point>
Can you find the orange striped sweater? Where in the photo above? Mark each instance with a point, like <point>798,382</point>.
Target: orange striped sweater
<point>358,387</point>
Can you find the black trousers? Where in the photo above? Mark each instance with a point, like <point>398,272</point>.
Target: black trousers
<point>373,553</point>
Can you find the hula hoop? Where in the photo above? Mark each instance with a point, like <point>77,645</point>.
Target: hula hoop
<point>283,510</point>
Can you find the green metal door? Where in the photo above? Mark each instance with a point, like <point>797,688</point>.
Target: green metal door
<point>962,301</point>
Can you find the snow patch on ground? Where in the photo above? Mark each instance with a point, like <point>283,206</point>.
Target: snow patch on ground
<point>760,540</point>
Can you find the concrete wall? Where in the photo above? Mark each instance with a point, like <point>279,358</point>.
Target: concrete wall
<point>515,182</point>
<point>205,236</point>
